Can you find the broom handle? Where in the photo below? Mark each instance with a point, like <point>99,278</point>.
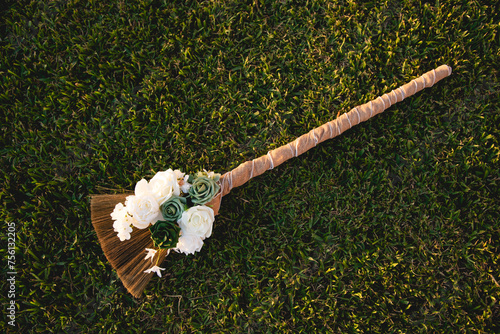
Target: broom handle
<point>247,170</point>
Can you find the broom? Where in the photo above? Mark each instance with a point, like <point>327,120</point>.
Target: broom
<point>127,257</point>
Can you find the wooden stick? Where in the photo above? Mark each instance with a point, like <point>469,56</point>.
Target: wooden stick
<point>250,169</point>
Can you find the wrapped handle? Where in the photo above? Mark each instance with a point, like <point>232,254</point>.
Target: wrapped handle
<point>250,169</point>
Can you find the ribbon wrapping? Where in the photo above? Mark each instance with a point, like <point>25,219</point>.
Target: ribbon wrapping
<point>250,169</point>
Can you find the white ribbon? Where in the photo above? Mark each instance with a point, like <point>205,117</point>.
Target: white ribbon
<point>270,160</point>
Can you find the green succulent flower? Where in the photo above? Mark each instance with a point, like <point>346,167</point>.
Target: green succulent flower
<point>203,189</point>
<point>165,234</point>
<point>173,208</point>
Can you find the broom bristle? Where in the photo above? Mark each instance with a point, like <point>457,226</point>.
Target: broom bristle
<point>126,257</point>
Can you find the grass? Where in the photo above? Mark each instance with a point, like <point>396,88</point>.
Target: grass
<point>393,227</point>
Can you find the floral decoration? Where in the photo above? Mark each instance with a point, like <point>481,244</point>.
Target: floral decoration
<point>173,207</point>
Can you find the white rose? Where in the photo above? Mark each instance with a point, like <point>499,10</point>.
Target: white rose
<point>164,185</point>
<point>144,209</point>
<point>188,244</point>
<point>197,220</point>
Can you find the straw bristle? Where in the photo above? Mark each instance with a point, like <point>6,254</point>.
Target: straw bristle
<point>126,257</point>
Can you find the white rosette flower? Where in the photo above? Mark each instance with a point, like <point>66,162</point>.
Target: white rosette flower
<point>197,220</point>
<point>119,213</point>
<point>188,244</point>
<point>122,222</point>
<point>178,174</point>
<point>185,185</point>
<point>164,185</point>
<point>123,231</point>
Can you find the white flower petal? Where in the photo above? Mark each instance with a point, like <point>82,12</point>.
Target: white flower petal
<point>154,269</point>
<point>142,188</point>
<point>123,236</point>
<point>189,244</point>
<point>122,222</point>
<point>185,185</point>
<point>151,254</point>
<point>178,174</point>
<point>119,212</point>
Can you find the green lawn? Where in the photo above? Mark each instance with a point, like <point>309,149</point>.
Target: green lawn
<point>392,227</point>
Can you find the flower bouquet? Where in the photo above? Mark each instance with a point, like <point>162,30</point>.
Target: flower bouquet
<point>174,211</point>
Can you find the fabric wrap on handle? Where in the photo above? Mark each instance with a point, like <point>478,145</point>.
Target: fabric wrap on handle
<point>250,169</point>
